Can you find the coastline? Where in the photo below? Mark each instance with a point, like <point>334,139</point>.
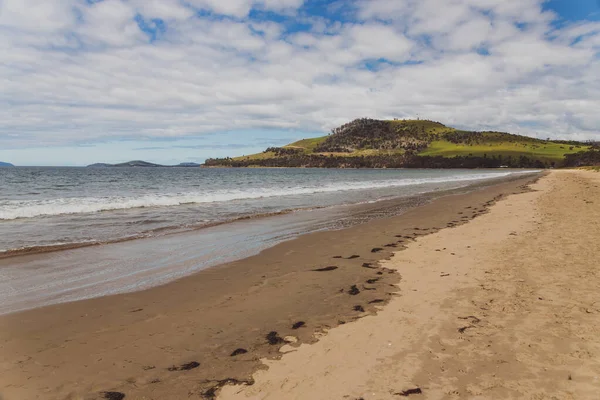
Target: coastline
<point>214,312</point>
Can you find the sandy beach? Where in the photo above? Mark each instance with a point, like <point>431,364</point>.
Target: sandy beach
<point>487,294</point>
<point>503,307</point>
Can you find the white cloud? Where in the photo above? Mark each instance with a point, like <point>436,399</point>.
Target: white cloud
<point>109,22</point>
<point>87,72</point>
<point>236,8</point>
<point>376,41</point>
<point>280,5</point>
<point>469,35</point>
<point>241,8</point>
<point>163,9</point>
<point>37,16</point>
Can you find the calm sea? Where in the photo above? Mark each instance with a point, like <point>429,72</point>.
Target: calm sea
<point>42,207</point>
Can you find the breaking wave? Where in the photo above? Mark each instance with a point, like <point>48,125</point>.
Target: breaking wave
<point>17,209</point>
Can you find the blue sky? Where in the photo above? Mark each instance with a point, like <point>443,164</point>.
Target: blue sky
<point>575,10</point>
<point>172,81</point>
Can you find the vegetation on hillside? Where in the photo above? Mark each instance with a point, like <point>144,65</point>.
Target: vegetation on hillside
<point>585,158</point>
<point>365,133</point>
<point>370,143</point>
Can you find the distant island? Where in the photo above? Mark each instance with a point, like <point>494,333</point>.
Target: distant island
<point>134,163</point>
<point>5,164</point>
<point>371,143</point>
<point>140,163</point>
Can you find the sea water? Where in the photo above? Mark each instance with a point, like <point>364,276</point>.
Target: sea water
<point>48,207</point>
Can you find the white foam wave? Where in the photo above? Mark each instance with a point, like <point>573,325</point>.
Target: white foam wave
<point>10,210</point>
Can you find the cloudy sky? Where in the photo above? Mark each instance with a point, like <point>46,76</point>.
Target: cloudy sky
<point>174,81</point>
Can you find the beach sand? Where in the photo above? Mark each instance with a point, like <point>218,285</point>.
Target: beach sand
<point>176,341</point>
<point>503,307</point>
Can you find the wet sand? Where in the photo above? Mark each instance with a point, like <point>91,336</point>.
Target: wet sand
<point>190,337</point>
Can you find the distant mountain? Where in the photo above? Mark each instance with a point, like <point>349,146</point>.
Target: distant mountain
<point>137,163</point>
<point>5,164</point>
<point>99,165</point>
<point>134,163</point>
<point>188,164</point>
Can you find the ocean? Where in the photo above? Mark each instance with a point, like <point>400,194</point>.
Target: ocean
<point>126,229</point>
<point>53,207</point>
<point>50,207</point>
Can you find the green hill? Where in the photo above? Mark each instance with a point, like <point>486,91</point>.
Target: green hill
<point>371,143</point>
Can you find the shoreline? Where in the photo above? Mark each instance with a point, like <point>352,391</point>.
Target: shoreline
<point>216,311</point>
<point>173,231</point>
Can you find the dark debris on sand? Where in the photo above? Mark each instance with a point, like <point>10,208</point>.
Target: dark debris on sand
<point>237,352</point>
<point>408,392</point>
<point>185,367</point>
<point>353,290</point>
<point>211,393</point>
<point>273,338</point>
<point>330,268</point>
<point>298,324</point>
<point>113,395</point>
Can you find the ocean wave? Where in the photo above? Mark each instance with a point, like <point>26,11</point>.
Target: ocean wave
<point>13,209</point>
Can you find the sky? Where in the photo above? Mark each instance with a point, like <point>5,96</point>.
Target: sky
<point>172,81</point>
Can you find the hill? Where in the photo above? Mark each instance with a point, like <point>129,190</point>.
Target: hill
<point>99,165</point>
<point>370,143</point>
<point>5,164</point>
<point>135,163</point>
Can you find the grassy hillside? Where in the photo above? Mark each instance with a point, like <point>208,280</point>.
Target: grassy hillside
<point>308,145</point>
<point>487,144</point>
<point>375,143</point>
